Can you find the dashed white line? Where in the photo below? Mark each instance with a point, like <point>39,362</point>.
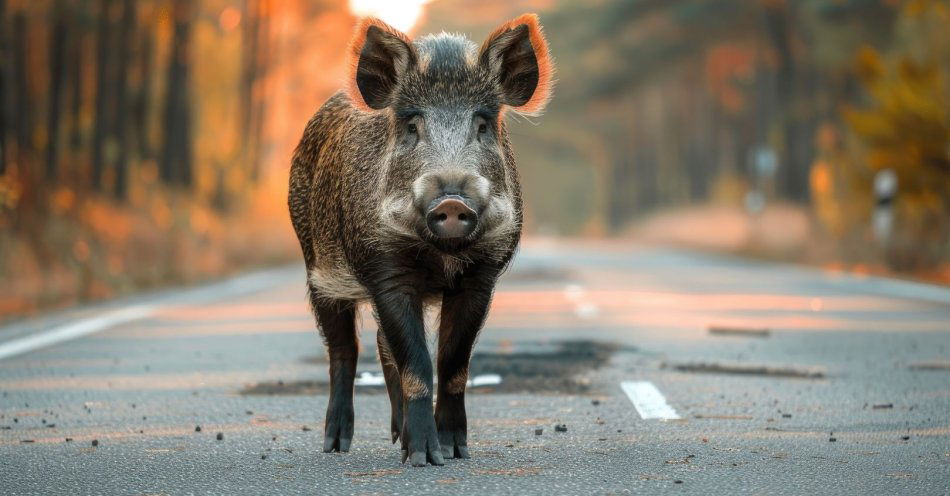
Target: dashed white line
<point>648,400</point>
<point>74,330</point>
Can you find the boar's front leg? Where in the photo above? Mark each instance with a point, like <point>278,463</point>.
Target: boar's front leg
<point>399,310</point>
<point>338,326</point>
<point>464,309</point>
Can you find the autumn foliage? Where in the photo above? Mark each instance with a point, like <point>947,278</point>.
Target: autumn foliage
<point>147,142</point>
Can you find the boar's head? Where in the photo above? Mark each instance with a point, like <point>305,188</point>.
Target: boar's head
<point>448,176</point>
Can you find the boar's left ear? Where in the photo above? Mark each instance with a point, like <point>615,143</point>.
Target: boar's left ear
<point>379,56</point>
<point>517,56</point>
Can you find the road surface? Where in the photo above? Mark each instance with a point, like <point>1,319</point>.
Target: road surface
<point>814,382</point>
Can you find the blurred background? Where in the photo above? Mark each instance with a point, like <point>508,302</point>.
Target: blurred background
<point>147,142</point>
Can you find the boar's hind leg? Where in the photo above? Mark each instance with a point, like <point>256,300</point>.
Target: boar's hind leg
<point>338,326</point>
<point>399,310</point>
<point>391,373</point>
<point>463,312</point>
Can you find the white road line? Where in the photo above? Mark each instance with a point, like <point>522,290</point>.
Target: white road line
<point>234,287</point>
<point>648,400</point>
<point>74,330</point>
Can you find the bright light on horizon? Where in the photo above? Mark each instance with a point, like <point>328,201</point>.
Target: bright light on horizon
<point>400,14</point>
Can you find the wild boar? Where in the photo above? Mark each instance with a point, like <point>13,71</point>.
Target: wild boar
<point>404,194</point>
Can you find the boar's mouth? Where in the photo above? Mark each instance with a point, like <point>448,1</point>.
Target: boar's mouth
<point>447,245</point>
<point>452,245</point>
<point>404,222</point>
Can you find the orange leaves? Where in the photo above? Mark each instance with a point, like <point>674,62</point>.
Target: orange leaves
<point>727,66</point>
<point>229,19</point>
<point>108,222</point>
<point>81,250</point>
<point>161,214</point>
<point>62,200</point>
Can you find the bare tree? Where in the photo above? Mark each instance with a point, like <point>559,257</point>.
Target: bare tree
<point>176,160</point>
<point>22,101</point>
<point>123,103</point>
<point>4,70</point>
<point>56,70</point>
<point>104,91</point>
<point>143,95</point>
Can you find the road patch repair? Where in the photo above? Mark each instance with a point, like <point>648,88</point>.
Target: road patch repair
<point>759,332</point>
<point>545,368</point>
<point>749,369</point>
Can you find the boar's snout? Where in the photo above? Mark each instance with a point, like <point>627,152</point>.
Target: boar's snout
<point>450,218</point>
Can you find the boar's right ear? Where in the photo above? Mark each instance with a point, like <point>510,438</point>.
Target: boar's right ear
<point>516,55</point>
<point>379,56</point>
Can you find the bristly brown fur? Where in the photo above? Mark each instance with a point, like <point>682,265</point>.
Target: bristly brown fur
<point>419,123</point>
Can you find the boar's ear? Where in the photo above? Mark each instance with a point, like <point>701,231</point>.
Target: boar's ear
<point>379,56</point>
<point>517,56</point>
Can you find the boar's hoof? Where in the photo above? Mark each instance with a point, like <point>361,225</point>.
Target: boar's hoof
<point>420,441</point>
<point>454,444</point>
<point>333,443</point>
<point>338,433</point>
<point>338,430</point>
<point>420,459</point>
<point>431,453</point>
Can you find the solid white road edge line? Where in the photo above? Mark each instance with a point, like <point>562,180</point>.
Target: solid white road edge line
<point>74,330</point>
<point>648,400</point>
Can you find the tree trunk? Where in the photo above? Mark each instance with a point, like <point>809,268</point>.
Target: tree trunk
<point>76,85</point>
<point>22,101</point>
<point>144,95</point>
<point>248,75</point>
<point>263,46</point>
<point>793,171</point>
<point>4,58</point>
<point>176,159</point>
<point>56,59</point>
<point>123,105</point>
<point>102,124</point>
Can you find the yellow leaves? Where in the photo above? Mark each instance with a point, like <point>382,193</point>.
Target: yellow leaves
<point>917,8</point>
<point>9,192</point>
<point>869,65</point>
<point>906,128</point>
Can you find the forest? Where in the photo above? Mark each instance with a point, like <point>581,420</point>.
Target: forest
<point>147,142</point>
<point>662,104</point>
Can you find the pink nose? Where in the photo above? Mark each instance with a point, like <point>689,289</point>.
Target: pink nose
<point>451,218</point>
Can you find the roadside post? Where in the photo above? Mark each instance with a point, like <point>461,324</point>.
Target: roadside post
<point>763,164</point>
<point>885,189</point>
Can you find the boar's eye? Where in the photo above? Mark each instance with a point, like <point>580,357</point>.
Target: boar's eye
<point>481,125</point>
<point>412,128</point>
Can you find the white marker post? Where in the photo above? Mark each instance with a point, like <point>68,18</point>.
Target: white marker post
<point>885,189</point>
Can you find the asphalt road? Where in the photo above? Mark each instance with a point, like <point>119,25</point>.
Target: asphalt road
<point>833,385</point>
